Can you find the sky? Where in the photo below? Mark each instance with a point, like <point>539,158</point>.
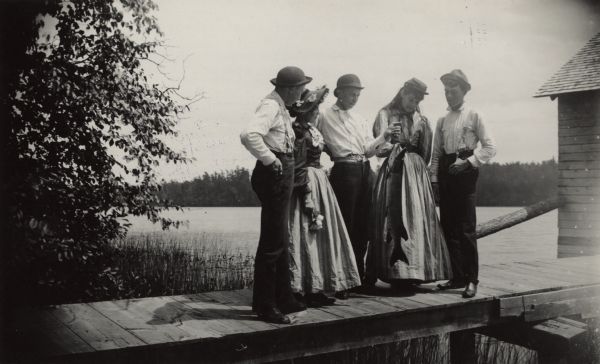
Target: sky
<point>228,50</point>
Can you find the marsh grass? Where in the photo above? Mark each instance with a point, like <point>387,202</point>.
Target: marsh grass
<point>158,265</point>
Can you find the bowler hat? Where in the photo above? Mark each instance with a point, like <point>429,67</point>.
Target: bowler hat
<point>457,76</point>
<point>417,85</point>
<point>308,101</point>
<point>347,80</point>
<point>290,76</point>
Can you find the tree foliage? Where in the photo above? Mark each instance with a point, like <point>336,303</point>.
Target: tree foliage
<point>86,130</point>
<point>517,184</point>
<point>511,184</point>
<point>225,188</point>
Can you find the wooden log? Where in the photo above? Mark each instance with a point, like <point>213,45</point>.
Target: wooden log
<point>516,217</point>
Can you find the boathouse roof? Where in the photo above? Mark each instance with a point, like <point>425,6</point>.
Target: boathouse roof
<point>581,73</point>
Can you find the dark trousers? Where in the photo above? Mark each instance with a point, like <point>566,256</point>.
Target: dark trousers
<point>350,182</point>
<point>458,218</point>
<point>271,267</point>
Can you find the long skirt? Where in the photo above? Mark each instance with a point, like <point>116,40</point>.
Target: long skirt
<point>407,238</point>
<point>321,260</point>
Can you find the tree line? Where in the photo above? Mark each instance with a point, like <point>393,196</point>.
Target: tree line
<point>510,184</point>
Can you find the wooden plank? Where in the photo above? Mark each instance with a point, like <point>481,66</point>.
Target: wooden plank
<point>136,316</point>
<point>488,278</point>
<point>579,225</point>
<point>581,232</point>
<point>95,329</point>
<point>579,216</point>
<point>242,305</point>
<point>575,251</point>
<point>579,156</point>
<point>564,131</point>
<point>579,207</point>
<point>553,271</point>
<point>546,305</point>
<point>577,123</point>
<point>580,174</point>
<point>400,303</point>
<point>579,165</point>
<point>221,318</point>
<point>587,241</point>
<point>511,306</point>
<point>567,278</point>
<point>579,139</point>
<point>526,283</point>
<point>349,309</point>
<point>40,334</point>
<point>441,298</point>
<point>592,147</point>
<point>579,182</point>
<point>579,190</point>
<point>173,318</point>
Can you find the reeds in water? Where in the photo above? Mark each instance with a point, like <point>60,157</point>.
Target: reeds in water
<point>162,265</point>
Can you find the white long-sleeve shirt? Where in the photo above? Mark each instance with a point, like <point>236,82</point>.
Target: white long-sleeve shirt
<point>270,129</point>
<point>345,132</point>
<point>461,129</point>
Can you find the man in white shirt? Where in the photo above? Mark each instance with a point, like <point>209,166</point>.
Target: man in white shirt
<point>454,171</point>
<point>350,143</point>
<point>270,138</point>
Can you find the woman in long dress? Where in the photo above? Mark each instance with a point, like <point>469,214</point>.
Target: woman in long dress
<point>321,259</point>
<point>408,242</point>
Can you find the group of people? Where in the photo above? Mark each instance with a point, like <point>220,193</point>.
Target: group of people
<point>323,236</point>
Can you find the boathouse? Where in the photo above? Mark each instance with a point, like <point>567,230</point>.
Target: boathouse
<point>577,87</point>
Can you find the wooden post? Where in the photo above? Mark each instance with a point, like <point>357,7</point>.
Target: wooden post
<point>462,347</point>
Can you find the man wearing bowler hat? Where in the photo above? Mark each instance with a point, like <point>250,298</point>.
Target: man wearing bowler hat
<point>350,143</point>
<point>270,138</point>
<point>454,171</point>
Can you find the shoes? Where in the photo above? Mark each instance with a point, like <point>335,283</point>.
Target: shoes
<point>362,289</point>
<point>470,290</point>
<point>342,295</point>
<point>292,306</point>
<point>272,315</point>
<point>318,300</point>
<point>403,286</point>
<point>451,284</point>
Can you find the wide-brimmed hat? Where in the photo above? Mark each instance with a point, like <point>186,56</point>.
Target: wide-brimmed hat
<point>308,101</point>
<point>290,76</point>
<point>417,85</point>
<point>457,76</point>
<point>348,80</point>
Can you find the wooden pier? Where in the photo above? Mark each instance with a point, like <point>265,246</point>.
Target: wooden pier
<point>220,327</point>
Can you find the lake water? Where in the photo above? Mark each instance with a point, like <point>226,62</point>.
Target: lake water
<point>239,228</point>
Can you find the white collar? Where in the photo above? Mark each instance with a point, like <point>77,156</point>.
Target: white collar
<point>461,108</point>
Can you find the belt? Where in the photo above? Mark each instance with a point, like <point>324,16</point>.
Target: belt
<point>463,154</point>
<point>282,154</point>
<point>351,158</point>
